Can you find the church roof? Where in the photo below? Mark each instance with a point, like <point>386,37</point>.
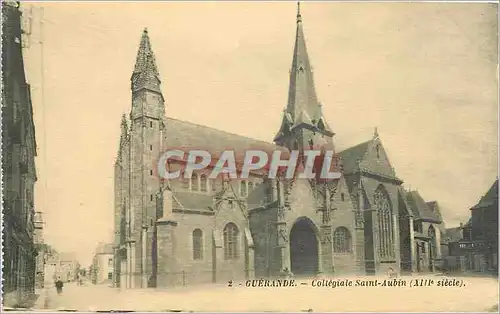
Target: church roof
<point>468,224</point>
<point>453,234</point>
<point>404,200</point>
<point>186,135</point>
<point>191,201</point>
<point>490,198</point>
<point>421,209</point>
<point>351,156</point>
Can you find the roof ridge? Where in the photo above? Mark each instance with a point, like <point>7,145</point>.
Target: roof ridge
<point>222,131</point>
<point>355,146</point>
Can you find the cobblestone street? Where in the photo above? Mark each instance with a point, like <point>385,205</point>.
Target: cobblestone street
<point>479,294</point>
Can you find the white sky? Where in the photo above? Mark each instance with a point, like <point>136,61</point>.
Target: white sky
<point>424,73</point>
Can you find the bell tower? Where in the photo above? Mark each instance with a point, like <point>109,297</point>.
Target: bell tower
<point>303,126</point>
<point>147,129</point>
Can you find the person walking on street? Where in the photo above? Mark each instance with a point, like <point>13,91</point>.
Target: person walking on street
<point>59,285</point>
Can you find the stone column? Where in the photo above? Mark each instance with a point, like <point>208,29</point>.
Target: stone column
<point>250,255</point>
<point>375,234</point>
<point>283,246</point>
<point>218,254</point>
<point>116,262</point>
<point>397,247</point>
<point>129,266</point>
<point>123,274</point>
<point>282,230</point>
<point>144,262</point>
<point>439,255</point>
<point>167,266</point>
<point>359,245</point>
<point>413,257</point>
<point>325,262</point>
<point>426,261</point>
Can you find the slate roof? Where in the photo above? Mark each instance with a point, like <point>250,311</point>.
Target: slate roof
<point>402,196</point>
<point>192,201</point>
<point>351,156</point>
<point>469,223</point>
<point>433,205</point>
<point>453,234</point>
<point>490,198</point>
<point>420,208</point>
<point>186,135</point>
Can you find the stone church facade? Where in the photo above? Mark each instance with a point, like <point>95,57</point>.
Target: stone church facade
<point>202,230</point>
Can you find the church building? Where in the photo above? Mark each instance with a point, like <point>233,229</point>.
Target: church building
<point>202,230</point>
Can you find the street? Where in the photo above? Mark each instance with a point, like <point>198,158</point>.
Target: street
<point>478,294</point>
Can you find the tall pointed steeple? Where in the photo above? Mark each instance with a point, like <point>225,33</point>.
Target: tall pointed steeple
<point>145,73</point>
<point>147,98</point>
<point>303,108</point>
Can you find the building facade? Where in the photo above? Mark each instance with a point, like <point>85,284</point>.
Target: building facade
<point>63,266</point>
<point>19,152</point>
<point>198,229</point>
<point>102,264</point>
<point>41,257</point>
<point>479,243</point>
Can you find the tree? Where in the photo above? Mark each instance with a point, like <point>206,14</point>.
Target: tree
<point>45,249</point>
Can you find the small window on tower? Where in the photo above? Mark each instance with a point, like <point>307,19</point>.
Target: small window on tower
<point>150,147</point>
<point>151,197</point>
<point>342,197</point>
<point>378,151</point>
<point>150,172</point>
<point>151,123</point>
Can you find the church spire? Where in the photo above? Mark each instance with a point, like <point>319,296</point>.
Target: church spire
<point>303,108</point>
<point>145,73</point>
<point>299,16</point>
<point>375,133</point>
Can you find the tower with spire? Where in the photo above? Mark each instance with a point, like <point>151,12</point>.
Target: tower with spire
<point>136,183</point>
<point>147,98</point>
<point>303,125</point>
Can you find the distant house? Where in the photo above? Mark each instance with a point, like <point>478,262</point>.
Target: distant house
<point>62,266</point>
<point>450,242</point>
<point>481,233</point>
<point>475,244</point>
<point>421,230</point>
<point>101,270</point>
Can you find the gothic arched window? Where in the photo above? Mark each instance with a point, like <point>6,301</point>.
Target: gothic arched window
<point>341,240</point>
<point>243,188</point>
<point>184,181</point>
<point>194,182</point>
<point>250,187</point>
<point>197,244</point>
<point>230,241</point>
<point>432,242</point>
<point>203,183</point>
<point>383,207</point>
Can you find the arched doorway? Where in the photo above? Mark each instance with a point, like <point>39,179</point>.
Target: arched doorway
<point>304,248</point>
